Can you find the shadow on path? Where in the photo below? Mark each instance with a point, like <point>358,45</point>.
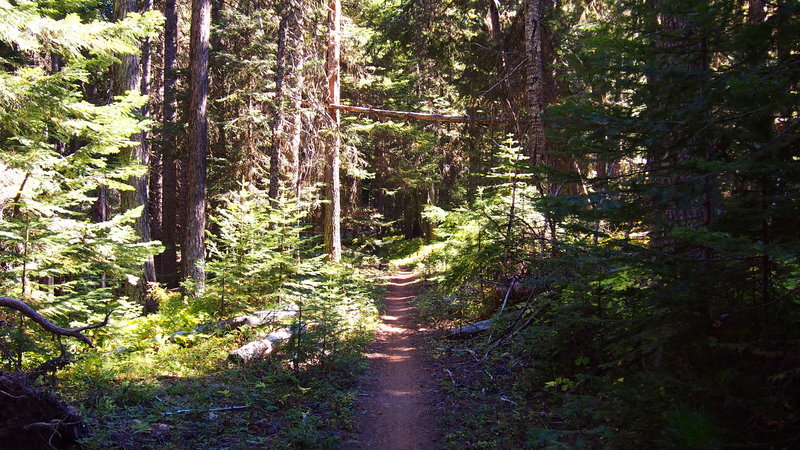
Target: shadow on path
<point>395,409</point>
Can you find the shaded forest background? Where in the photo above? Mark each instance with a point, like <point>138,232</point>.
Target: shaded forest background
<point>616,193</point>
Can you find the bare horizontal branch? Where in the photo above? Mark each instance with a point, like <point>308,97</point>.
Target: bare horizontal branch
<point>421,116</point>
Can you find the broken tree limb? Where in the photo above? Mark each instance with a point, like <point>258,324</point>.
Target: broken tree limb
<point>511,284</point>
<point>77,333</point>
<point>430,117</point>
<point>195,411</point>
<point>260,347</point>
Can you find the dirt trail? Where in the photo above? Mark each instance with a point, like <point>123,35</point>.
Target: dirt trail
<point>396,407</point>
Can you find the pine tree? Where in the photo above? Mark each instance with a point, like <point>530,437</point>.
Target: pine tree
<point>58,149</point>
<point>332,210</point>
<point>193,249</point>
<point>128,77</point>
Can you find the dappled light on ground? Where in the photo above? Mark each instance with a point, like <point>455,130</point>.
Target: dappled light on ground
<point>395,411</point>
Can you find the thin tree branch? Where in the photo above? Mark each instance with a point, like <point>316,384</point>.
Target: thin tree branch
<point>22,307</point>
<point>430,117</point>
<point>195,411</point>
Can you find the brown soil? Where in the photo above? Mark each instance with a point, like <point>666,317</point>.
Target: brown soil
<point>396,406</point>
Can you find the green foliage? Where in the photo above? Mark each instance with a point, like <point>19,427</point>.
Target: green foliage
<point>671,271</point>
<point>497,233</point>
<point>58,150</point>
<point>302,396</point>
<point>690,429</point>
<point>257,252</point>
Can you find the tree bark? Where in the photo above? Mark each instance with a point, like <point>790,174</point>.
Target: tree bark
<point>128,77</point>
<point>154,200</point>
<point>260,347</point>
<point>169,206</point>
<point>332,211</point>
<point>495,30</point>
<point>193,251</point>
<point>298,63</point>
<point>278,139</point>
<point>534,79</point>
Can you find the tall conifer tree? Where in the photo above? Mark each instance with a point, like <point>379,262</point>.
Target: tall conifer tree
<point>193,250</point>
<point>128,77</point>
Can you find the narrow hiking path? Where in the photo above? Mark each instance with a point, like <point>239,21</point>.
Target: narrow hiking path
<point>396,406</point>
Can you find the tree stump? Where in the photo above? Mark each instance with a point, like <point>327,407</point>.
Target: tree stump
<point>31,418</point>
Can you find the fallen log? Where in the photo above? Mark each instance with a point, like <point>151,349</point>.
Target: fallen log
<point>471,330</point>
<point>256,319</point>
<point>260,347</point>
<point>196,411</point>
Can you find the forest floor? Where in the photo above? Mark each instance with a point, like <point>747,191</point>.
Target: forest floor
<point>396,407</point>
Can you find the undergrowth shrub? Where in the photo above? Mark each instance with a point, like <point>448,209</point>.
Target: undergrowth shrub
<point>616,328</point>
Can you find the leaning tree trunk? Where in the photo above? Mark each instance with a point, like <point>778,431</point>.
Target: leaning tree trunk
<point>193,251</point>
<point>127,77</point>
<point>332,212</point>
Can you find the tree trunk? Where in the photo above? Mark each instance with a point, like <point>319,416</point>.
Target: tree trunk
<point>278,140</point>
<point>127,77</point>
<point>155,205</point>
<point>169,207</point>
<point>332,211</point>
<point>298,64</point>
<point>534,79</point>
<point>154,201</point>
<point>193,251</point>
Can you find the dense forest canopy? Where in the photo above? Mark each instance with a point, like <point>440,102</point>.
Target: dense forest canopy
<point>612,185</point>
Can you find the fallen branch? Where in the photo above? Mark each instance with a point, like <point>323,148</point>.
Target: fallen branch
<point>23,307</point>
<point>50,366</point>
<point>195,411</point>
<point>511,285</point>
<point>53,425</point>
<point>508,336</point>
